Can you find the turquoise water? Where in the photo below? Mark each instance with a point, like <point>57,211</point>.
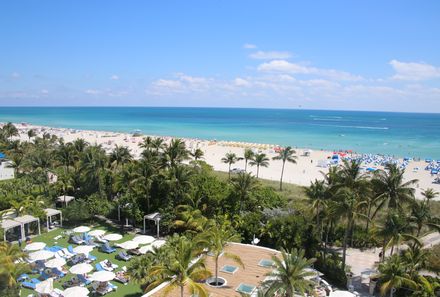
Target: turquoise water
<point>400,134</point>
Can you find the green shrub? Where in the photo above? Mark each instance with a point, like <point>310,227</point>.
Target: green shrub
<point>77,211</point>
<point>96,205</point>
<point>332,269</point>
<point>433,259</point>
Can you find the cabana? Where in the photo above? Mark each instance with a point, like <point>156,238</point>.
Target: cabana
<point>50,212</point>
<point>153,217</point>
<point>65,199</point>
<point>11,224</point>
<point>26,220</point>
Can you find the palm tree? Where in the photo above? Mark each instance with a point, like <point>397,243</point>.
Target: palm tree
<point>421,216</point>
<point>158,144</point>
<point>429,194</point>
<point>197,154</point>
<point>392,189</point>
<point>179,182</point>
<point>317,194</point>
<point>230,158</point>
<point>147,143</point>
<point>190,219</point>
<point>11,265</point>
<point>31,133</point>
<point>216,239</point>
<point>289,275</point>
<point>175,153</point>
<point>259,160</point>
<point>183,269</point>
<point>243,184</point>
<point>248,155</point>
<point>285,155</point>
<point>9,130</point>
<point>119,156</point>
<point>393,274</point>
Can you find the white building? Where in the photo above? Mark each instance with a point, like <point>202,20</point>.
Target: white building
<point>6,172</point>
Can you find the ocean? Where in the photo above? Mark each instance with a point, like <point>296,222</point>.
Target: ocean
<point>398,134</point>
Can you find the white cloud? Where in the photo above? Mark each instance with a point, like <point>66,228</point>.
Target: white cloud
<point>114,77</point>
<point>241,82</point>
<point>284,66</point>
<point>270,55</point>
<point>414,71</point>
<point>15,75</point>
<point>44,92</point>
<point>249,46</point>
<point>92,92</point>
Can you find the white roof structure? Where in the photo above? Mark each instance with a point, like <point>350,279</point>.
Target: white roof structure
<point>65,198</point>
<point>26,219</point>
<point>153,217</point>
<point>19,222</point>
<point>52,212</point>
<point>8,224</point>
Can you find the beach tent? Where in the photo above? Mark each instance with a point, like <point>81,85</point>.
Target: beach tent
<point>11,224</point>
<point>65,199</point>
<point>153,217</point>
<point>26,220</point>
<point>50,212</point>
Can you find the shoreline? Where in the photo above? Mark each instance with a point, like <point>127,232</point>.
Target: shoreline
<point>307,169</point>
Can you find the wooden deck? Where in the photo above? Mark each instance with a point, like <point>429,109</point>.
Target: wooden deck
<point>251,274</point>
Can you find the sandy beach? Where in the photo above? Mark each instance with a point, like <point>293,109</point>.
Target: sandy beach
<point>302,173</point>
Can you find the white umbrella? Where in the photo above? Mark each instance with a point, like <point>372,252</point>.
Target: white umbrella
<point>81,229</point>
<point>76,292</point>
<point>41,255</point>
<point>97,232</point>
<point>144,239</point>
<point>113,237</point>
<point>56,262</point>
<point>128,245</point>
<point>102,276</point>
<point>342,294</point>
<point>83,249</point>
<point>35,246</point>
<point>45,287</point>
<point>145,249</point>
<point>158,243</point>
<point>81,268</point>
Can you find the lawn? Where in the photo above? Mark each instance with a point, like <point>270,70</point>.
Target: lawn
<point>129,290</point>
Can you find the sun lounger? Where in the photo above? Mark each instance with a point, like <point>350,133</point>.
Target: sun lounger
<point>67,253</point>
<point>84,281</point>
<point>70,250</point>
<point>91,257</point>
<point>107,265</point>
<point>123,256</point>
<point>58,273</point>
<point>76,240</point>
<point>134,252</point>
<point>30,284</point>
<point>100,239</point>
<point>106,248</point>
<point>99,267</point>
<point>120,277</point>
<point>73,282</point>
<point>23,277</point>
<point>44,275</point>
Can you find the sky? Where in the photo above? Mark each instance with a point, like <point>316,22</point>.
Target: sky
<point>349,55</point>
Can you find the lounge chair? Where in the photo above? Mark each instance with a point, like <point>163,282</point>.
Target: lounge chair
<point>45,275</point>
<point>99,267</point>
<point>134,252</point>
<point>77,259</point>
<point>73,282</point>
<point>100,239</point>
<point>123,256</point>
<point>91,257</point>
<point>84,281</point>
<point>32,284</point>
<point>90,241</point>
<point>70,250</point>
<point>107,265</point>
<point>106,248</point>
<point>120,277</point>
<point>76,240</point>
<point>23,277</point>
<point>58,273</point>
<point>67,254</point>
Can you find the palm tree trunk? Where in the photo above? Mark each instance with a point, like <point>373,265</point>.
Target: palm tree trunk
<point>368,219</point>
<point>181,291</point>
<point>326,241</point>
<point>216,270</point>
<point>229,172</point>
<point>245,165</point>
<point>258,170</point>
<point>281,179</point>
<point>344,251</point>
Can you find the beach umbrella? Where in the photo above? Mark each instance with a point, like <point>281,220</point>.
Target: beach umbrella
<point>144,239</point>
<point>342,294</point>
<point>81,268</point>
<point>97,232</point>
<point>76,292</point>
<point>102,276</point>
<point>129,245</point>
<point>35,246</point>
<point>113,237</point>
<point>56,262</point>
<point>145,249</point>
<point>158,243</point>
<point>81,229</point>
<point>83,249</point>
<point>41,255</point>
<point>45,287</point>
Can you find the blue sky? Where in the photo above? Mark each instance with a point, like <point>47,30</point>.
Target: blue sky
<point>362,55</point>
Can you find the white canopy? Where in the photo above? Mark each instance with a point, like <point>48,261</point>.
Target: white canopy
<point>83,249</point>
<point>81,229</point>
<point>76,292</point>
<point>65,199</point>
<point>81,268</point>
<point>97,232</point>
<point>41,255</point>
<point>113,237</point>
<point>35,246</point>
<point>56,262</point>
<point>9,224</point>
<point>144,239</point>
<point>158,243</point>
<point>50,212</point>
<point>45,287</point>
<point>102,276</point>
<point>128,245</point>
